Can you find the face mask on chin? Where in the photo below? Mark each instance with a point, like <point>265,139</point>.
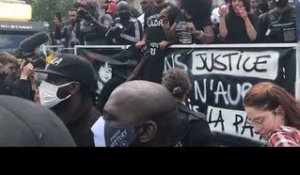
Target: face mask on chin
<point>48,94</point>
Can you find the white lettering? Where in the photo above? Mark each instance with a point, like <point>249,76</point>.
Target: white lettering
<point>233,122</point>
<point>248,64</point>
<point>203,96</point>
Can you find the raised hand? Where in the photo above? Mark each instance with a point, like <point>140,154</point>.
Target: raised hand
<point>243,12</point>
<point>163,44</point>
<point>223,9</point>
<point>140,44</point>
<point>190,27</point>
<point>26,71</point>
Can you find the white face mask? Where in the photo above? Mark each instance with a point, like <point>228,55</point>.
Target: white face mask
<point>48,94</point>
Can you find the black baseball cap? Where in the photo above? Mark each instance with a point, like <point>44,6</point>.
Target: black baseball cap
<point>72,67</point>
<point>24,123</point>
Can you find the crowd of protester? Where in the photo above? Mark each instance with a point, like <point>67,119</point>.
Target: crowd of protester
<point>147,107</point>
<point>103,22</point>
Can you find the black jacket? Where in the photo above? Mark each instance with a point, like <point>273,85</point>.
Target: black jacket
<point>193,129</point>
<point>80,129</point>
<point>19,88</point>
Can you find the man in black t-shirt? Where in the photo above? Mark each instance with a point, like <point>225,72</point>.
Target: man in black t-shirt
<point>158,21</point>
<point>193,25</point>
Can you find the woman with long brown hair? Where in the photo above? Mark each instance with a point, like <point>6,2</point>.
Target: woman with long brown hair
<point>274,114</point>
<point>237,24</point>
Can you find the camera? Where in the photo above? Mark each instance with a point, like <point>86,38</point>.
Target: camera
<point>84,14</point>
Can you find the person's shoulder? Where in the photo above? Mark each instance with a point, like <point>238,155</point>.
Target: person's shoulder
<point>133,19</point>
<point>272,13</point>
<point>180,17</point>
<point>292,11</point>
<point>135,12</point>
<point>150,12</point>
<point>284,136</point>
<point>197,116</point>
<point>229,16</point>
<point>253,17</point>
<point>193,115</point>
<point>263,16</point>
<point>106,16</point>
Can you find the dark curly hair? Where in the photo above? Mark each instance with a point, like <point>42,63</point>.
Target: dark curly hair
<point>177,82</point>
<point>246,5</point>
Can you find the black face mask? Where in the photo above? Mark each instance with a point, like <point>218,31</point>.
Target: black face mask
<point>124,16</point>
<point>119,137</point>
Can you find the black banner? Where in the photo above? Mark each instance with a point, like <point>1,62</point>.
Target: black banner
<point>222,77</point>
<point>110,62</point>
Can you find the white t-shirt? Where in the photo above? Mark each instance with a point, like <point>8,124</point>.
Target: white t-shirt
<point>141,19</point>
<point>98,130</point>
<point>215,15</point>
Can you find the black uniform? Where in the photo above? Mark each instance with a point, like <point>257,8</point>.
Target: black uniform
<point>279,27</point>
<point>131,32</point>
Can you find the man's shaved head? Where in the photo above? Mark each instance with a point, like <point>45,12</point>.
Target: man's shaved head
<point>138,101</point>
<point>123,5</point>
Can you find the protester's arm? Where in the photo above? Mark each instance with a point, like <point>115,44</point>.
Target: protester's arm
<point>222,27</point>
<point>137,33</point>
<point>208,36</point>
<point>205,36</point>
<point>173,36</point>
<point>251,32</point>
<point>141,43</point>
<point>100,27</point>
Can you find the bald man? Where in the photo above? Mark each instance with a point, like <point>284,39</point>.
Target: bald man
<point>137,113</point>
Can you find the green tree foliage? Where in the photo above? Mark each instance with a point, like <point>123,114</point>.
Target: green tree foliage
<point>44,10</point>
